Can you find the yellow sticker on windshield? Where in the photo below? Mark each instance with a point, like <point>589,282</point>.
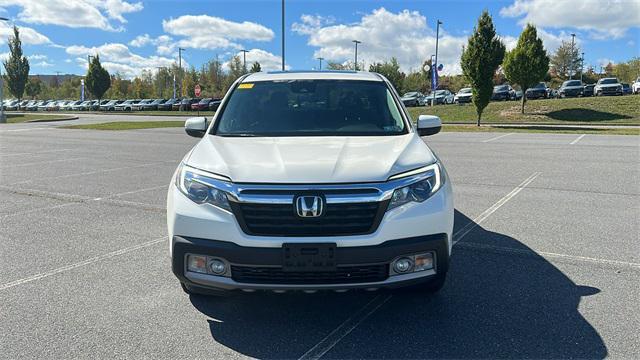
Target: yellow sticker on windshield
<point>245,86</point>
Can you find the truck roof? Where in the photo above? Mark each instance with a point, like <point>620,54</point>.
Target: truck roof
<point>312,75</point>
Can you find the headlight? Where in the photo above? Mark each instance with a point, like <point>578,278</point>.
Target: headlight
<point>421,190</point>
<point>200,191</point>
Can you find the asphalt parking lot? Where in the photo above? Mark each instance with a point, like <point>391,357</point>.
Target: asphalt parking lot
<point>546,264</point>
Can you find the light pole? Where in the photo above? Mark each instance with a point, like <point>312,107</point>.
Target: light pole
<point>282,35</point>
<point>180,50</point>
<point>581,66</point>
<point>573,38</point>
<point>435,66</point>
<point>320,59</point>
<point>3,118</point>
<point>355,62</point>
<point>88,65</point>
<point>244,60</point>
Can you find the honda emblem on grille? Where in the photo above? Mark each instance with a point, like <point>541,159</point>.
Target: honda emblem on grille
<point>309,206</point>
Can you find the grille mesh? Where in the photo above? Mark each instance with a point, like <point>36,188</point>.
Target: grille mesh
<point>342,275</point>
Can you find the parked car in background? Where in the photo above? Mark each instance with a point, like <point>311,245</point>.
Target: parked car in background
<point>186,103</point>
<point>626,89</point>
<point>153,105</point>
<point>588,90</point>
<point>463,96</point>
<point>608,86</point>
<point>55,105</point>
<point>138,106</point>
<point>635,87</point>
<point>34,106</point>
<point>11,105</point>
<point>43,106</point>
<point>167,105</point>
<point>69,105</point>
<point>519,95</point>
<point>201,105</point>
<point>110,105</point>
<point>214,104</point>
<point>95,105</point>
<point>440,97</point>
<point>537,92</point>
<point>413,98</point>
<point>571,88</point>
<point>29,104</point>
<point>81,106</point>
<point>503,92</point>
<point>126,105</point>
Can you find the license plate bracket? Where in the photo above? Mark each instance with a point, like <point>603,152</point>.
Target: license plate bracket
<point>309,257</point>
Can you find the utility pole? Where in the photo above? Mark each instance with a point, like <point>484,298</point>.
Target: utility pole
<point>355,62</point>
<point>57,78</point>
<point>3,118</point>
<point>180,50</point>
<point>244,60</point>
<point>320,58</point>
<point>573,38</point>
<point>283,35</point>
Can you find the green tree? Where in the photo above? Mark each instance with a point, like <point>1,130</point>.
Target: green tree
<point>390,70</point>
<point>566,60</point>
<point>256,67</point>
<point>528,63</point>
<point>337,66</point>
<point>33,87</point>
<point>480,60</point>
<point>235,68</point>
<point>17,66</point>
<point>97,80</point>
<point>415,81</point>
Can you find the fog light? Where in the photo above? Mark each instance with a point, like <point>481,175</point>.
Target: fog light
<point>197,263</point>
<point>423,262</point>
<point>402,265</point>
<point>217,266</point>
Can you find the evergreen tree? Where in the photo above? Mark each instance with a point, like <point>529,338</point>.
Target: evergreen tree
<point>480,60</point>
<point>528,63</point>
<point>17,66</point>
<point>33,87</point>
<point>97,80</point>
<point>390,70</point>
<point>566,60</point>
<point>256,67</point>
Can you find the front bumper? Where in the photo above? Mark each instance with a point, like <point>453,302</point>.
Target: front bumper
<point>259,257</point>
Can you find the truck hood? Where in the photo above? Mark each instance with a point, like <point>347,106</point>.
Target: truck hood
<point>311,160</point>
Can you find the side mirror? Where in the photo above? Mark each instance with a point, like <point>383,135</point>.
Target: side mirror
<point>196,126</point>
<point>429,125</point>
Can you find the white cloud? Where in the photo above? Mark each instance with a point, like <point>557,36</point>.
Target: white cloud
<point>141,40</point>
<point>601,20</point>
<point>74,14</point>
<point>28,36</point>
<point>43,64</point>
<point>309,23</point>
<point>37,57</point>
<point>605,61</point>
<point>384,34</point>
<point>164,43</point>
<point>210,32</point>
<point>267,60</point>
<point>117,57</point>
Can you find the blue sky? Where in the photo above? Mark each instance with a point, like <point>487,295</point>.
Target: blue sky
<point>134,35</point>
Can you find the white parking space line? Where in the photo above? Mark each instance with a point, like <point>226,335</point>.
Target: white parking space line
<point>551,255</point>
<point>496,138</point>
<point>578,139</point>
<point>42,162</point>
<point>82,263</point>
<point>79,199</point>
<point>345,328</point>
<point>101,171</point>
<point>458,235</point>
<point>35,152</point>
<point>334,337</point>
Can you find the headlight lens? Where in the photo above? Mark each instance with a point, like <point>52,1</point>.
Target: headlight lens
<point>420,190</point>
<point>196,188</point>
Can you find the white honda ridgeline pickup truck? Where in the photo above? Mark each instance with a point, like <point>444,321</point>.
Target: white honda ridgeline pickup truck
<point>310,181</point>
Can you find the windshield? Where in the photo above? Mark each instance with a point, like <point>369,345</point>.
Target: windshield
<point>465,91</point>
<point>572,83</point>
<point>310,107</point>
<point>410,94</point>
<point>501,88</point>
<point>608,81</point>
<point>541,86</point>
